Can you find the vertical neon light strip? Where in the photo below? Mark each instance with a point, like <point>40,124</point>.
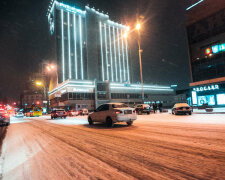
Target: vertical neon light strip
<point>75,44</point>
<point>128,68</point>
<point>68,23</point>
<point>124,70</point>
<point>111,59</point>
<point>62,23</point>
<point>115,59</point>
<point>106,52</point>
<point>100,30</point>
<point>118,42</point>
<point>81,49</point>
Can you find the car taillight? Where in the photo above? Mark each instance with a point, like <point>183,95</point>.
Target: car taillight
<point>6,115</point>
<point>134,111</point>
<point>118,112</point>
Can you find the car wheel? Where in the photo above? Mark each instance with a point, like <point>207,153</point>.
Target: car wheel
<point>148,113</point>
<point>52,117</point>
<point>129,123</point>
<point>8,123</point>
<point>90,121</point>
<point>189,113</point>
<point>109,122</point>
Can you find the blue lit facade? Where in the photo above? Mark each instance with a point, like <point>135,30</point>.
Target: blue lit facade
<point>93,62</point>
<point>87,40</point>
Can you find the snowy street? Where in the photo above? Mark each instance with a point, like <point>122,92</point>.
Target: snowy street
<point>157,146</point>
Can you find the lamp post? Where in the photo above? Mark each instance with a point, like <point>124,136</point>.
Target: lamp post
<point>138,27</point>
<point>46,70</point>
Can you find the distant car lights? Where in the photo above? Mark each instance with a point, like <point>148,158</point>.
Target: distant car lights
<point>215,49</point>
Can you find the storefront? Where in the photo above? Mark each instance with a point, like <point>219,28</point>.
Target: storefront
<point>209,94</point>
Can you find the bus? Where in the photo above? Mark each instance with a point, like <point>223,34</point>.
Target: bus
<point>34,111</point>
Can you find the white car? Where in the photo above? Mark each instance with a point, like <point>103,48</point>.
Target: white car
<point>181,108</point>
<point>19,115</point>
<point>111,113</point>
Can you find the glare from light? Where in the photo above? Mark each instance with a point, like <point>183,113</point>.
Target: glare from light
<point>38,83</point>
<point>48,68</point>
<point>128,28</point>
<point>138,26</point>
<point>125,35</point>
<point>52,66</point>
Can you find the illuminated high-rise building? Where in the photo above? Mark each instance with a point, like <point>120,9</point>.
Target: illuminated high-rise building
<point>93,62</point>
<point>88,44</point>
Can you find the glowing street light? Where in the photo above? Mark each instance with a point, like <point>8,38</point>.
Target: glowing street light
<point>125,35</point>
<point>128,28</point>
<point>138,26</point>
<point>39,83</point>
<point>50,67</point>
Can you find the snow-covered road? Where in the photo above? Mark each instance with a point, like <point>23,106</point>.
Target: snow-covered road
<point>157,146</point>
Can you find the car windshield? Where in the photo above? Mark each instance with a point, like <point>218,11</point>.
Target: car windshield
<point>119,106</point>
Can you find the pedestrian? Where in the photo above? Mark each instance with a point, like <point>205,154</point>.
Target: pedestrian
<point>154,107</point>
<point>160,107</point>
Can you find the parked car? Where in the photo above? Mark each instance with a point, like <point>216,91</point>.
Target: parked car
<point>19,115</point>
<point>143,108</point>
<point>83,112</point>
<point>58,113</point>
<point>181,108</point>
<point>112,113</point>
<point>72,113</point>
<point>4,117</point>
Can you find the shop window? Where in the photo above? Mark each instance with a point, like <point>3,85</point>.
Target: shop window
<point>210,100</point>
<point>220,99</point>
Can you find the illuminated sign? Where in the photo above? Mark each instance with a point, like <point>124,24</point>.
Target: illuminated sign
<point>83,90</point>
<point>194,97</point>
<point>215,49</point>
<point>206,88</point>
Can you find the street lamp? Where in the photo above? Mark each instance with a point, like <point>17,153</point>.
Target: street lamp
<point>138,27</point>
<point>38,83</point>
<point>46,73</point>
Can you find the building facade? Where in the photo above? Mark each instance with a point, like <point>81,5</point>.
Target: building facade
<point>206,38</point>
<point>93,63</point>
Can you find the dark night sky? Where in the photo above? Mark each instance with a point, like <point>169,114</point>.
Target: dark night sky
<point>24,39</point>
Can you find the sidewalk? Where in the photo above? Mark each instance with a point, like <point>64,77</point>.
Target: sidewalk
<point>215,111</point>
